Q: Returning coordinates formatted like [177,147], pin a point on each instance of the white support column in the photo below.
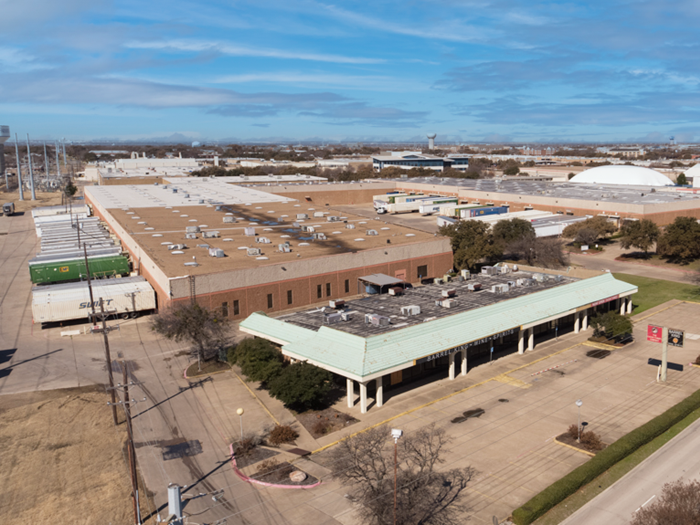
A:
[521,341]
[351,392]
[531,338]
[363,398]
[380,390]
[622,306]
[584,323]
[577,322]
[464,363]
[629,304]
[452,365]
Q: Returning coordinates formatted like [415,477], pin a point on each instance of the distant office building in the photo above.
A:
[408,160]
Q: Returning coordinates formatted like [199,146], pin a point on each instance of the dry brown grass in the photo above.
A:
[62,460]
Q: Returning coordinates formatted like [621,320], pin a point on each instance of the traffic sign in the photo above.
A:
[675,337]
[654,333]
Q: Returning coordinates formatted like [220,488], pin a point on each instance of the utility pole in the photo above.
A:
[58,165]
[108,357]
[131,452]
[63,142]
[46,164]
[31,173]
[19,169]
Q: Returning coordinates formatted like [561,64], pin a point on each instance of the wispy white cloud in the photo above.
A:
[198,46]
[16,59]
[354,82]
[452,30]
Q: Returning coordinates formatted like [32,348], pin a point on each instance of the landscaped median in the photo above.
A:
[623,447]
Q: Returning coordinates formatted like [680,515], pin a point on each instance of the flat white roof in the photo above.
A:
[190,192]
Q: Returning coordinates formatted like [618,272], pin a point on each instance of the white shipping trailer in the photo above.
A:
[70,301]
[46,211]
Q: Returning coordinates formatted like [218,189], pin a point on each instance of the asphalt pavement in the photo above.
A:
[643,485]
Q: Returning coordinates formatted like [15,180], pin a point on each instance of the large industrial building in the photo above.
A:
[243,250]
[384,341]
[661,204]
[409,160]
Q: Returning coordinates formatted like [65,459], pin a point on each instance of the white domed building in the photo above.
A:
[622,175]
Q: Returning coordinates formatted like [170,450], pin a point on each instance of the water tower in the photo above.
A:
[431,140]
[4,135]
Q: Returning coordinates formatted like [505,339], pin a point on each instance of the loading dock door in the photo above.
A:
[396,377]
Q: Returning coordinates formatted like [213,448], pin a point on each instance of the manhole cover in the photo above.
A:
[598,354]
[477,412]
[180,450]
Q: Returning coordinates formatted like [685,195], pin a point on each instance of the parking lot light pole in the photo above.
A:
[396,434]
[578,404]
[240,412]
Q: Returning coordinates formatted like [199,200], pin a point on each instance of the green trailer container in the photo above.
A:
[74,269]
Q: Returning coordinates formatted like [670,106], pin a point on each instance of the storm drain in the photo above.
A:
[477,412]
[180,450]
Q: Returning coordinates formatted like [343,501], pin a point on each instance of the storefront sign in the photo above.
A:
[654,333]
[459,348]
[675,337]
[605,300]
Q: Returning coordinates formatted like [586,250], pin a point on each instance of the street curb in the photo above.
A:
[573,448]
[263,483]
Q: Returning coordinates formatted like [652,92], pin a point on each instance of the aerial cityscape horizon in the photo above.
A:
[498,72]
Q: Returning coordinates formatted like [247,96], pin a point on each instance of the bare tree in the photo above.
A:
[204,329]
[679,504]
[425,496]
[547,252]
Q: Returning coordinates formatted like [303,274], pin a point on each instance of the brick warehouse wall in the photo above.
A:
[305,290]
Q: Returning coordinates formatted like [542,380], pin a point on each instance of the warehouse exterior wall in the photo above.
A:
[245,299]
[332,194]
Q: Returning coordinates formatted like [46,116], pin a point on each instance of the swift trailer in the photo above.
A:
[125,297]
[61,268]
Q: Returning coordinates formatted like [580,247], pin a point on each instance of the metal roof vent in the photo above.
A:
[372,232]
[216,252]
[262,240]
[254,251]
[192,229]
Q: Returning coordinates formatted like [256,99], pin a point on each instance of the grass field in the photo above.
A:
[653,292]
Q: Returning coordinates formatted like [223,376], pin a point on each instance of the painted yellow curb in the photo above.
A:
[600,346]
[503,378]
[573,448]
[429,403]
[255,397]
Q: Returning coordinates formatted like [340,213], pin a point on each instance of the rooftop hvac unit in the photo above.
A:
[319,236]
[538,277]
[333,318]
[448,293]
[558,278]
[505,269]
[177,247]
[520,282]
[229,219]
[437,280]
[210,235]
[372,232]
[332,218]
[376,320]
[190,236]
[318,214]
[336,303]
[447,303]
[174,190]
[262,240]
[192,229]
[254,251]
[511,284]
[203,246]
[346,316]
[489,270]
[500,288]
[310,229]
[218,208]
[465,274]
[302,216]
[249,231]
[413,309]
[350,226]
[473,287]
[216,252]
[284,248]
[396,290]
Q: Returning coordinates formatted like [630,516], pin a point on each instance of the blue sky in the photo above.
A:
[477,70]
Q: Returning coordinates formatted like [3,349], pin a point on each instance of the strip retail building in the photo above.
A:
[387,340]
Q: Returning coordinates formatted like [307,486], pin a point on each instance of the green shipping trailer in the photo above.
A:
[74,269]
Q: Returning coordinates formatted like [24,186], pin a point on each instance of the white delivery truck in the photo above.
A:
[123,297]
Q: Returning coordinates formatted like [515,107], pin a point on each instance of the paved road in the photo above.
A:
[677,459]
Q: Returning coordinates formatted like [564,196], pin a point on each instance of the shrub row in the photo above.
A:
[623,447]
